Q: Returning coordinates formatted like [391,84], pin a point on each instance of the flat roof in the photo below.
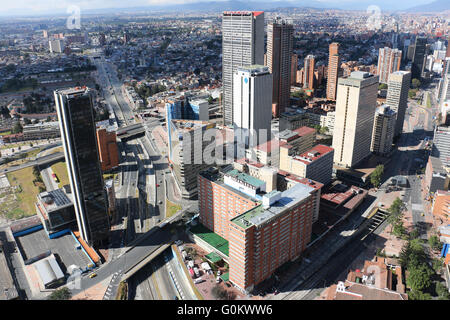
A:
[315,153]
[8,290]
[54,200]
[259,215]
[211,238]
[255,182]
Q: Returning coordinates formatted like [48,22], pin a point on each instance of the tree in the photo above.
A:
[434,243]
[411,94]
[419,278]
[382,86]
[415,83]
[418,295]
[377,174]
[17,128]
[442,291]
[60,294]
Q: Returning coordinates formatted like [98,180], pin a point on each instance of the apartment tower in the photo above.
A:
[389,61]
[383,130]
[308,77]
[334,63]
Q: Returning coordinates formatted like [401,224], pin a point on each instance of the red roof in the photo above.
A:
[302,131]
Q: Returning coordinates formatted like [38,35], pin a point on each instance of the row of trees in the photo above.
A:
[377,174]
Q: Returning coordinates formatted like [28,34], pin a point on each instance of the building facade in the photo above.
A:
[383,130]
[242,45]
[76,120]
[355,109]
[397,97]
[308,77]
[107,149]
[389,60]
[279,55]
[334,64]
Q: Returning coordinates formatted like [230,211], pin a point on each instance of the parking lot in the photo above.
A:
[64,248]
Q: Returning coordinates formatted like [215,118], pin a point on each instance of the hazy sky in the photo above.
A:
[30,7]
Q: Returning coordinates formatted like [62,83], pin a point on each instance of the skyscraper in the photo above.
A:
[242,45]
[383,130]
[418,61]
[294,66]
[389,61]
[355,109]
[308,81]
[78,135]
[252,101]
[334,63]
[397,97]
[279,55]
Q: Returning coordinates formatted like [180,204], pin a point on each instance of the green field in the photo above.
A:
[60,169]
[171,208]
[25,192]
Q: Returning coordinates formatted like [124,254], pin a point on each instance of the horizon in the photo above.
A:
[23,8]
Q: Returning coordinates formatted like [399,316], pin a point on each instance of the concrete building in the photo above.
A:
[308,80]
[269,235]
[184,108]
[291,120]
[267,153]
[389,60]
[397,97]
[383,130]
[188,151]
[441,145]
[436,177]
[46,130]
[55,209]
[315,164]
[279,55]
[107,149]
[334,64]
[355,109]
[76,120]
[293,143]
[252,96]
[242,45]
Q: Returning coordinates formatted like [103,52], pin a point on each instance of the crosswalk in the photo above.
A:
[113,285]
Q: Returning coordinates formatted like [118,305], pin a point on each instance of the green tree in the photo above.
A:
[434,243]
[17,128]
[377,174]
[419,278]
[60,294]
[415,83]
[442,291]
[412,94]
[382,86]
[418,295]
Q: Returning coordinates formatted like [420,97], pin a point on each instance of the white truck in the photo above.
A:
[196,271]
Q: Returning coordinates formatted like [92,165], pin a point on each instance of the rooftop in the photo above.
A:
[54,200]
[260,215]
[315,153]
[240,176]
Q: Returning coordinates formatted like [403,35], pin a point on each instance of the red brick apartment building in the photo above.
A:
[264,230]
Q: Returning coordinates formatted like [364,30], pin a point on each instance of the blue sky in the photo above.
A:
[30,7]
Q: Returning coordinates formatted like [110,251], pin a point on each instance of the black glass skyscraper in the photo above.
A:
[418,63]
[76,121]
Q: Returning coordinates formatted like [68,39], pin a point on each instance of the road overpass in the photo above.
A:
[45,160]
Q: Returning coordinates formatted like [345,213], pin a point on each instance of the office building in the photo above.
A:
[308,77]
[397,97]
[188,151]
[252,104]
[334,64]
[46,130]
[355,109]
[107,149]
[76,119]
[389,60]
[441,145]
[291,120]
[383,130]
[242,45]
[279,55]
[419,57]
[294,142]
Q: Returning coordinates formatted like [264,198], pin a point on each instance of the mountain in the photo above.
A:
[435,6]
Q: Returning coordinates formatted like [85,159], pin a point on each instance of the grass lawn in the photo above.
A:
[5,133]
[60,169]
[428,101]
[26,195]
[29,154]
[172,208]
